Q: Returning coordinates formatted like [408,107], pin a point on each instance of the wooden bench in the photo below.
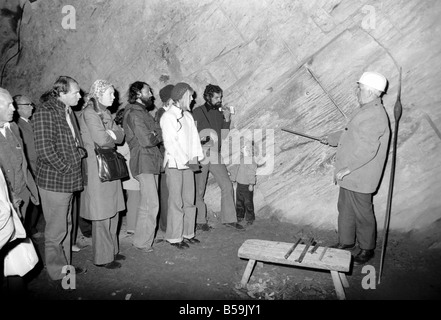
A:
[336,260]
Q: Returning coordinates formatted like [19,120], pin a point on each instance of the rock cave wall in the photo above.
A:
[262,53]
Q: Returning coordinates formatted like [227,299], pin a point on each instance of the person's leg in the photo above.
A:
[249,205]
[84,224]
[114,233]
[147,211]
[228,210]
[201,184]
[56,210]
[32,217]
[175,218]
[364,220]
[85,227]
[75,215]
[188,194]
[163,196]
[132,209]
[102,242]
[346,218]
[240,201]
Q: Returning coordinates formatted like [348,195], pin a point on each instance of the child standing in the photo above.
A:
[244,174]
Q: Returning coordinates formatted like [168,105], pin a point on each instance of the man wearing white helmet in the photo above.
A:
[361,155]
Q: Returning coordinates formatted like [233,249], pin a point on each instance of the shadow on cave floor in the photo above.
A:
[212,270]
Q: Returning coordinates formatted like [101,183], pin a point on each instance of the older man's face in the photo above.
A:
[6,108]
[25,107]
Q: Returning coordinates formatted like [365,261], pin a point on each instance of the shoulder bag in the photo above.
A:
[111,164]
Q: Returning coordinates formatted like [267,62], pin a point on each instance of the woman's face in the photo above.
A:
[107,98]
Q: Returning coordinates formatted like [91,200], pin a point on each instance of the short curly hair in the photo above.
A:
[210,90]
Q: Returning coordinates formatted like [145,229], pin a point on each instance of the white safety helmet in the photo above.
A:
[374,80]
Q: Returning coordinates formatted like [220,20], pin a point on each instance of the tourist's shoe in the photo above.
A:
[192,240]
[250,222]
[79,270]
[111,265]
[180,245]
[76,248]
[234,225]
[363,256]
[145,250]
[83,241]
[203,226]
[119,257]
[343,246]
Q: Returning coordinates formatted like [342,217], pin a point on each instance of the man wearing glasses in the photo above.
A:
[25,108]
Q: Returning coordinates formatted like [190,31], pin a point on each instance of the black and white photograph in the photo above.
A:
[229,157]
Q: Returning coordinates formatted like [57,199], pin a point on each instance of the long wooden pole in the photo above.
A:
[301,134]
[398,109]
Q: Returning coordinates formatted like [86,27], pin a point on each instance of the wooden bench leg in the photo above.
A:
[338,285]
[247,273]
[343,279]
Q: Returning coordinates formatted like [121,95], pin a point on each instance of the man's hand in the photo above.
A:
[324,139]
[227,113]
[342,173]
[251,188]
[194,161]
[194,165]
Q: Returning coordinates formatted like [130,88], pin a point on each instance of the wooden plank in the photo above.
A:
[338,286]
[343,279]
[247,273]
[273,251]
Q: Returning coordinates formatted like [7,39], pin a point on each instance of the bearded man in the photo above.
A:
[143,135]
[214,119]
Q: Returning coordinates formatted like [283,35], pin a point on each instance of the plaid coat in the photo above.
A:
[58,158]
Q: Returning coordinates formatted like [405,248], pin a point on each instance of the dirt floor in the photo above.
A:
[212,270]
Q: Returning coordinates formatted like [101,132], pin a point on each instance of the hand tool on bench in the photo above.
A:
[323,253]
[305,250]
[315,247]
[292,248]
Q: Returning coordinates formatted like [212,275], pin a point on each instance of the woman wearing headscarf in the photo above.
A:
[102,200]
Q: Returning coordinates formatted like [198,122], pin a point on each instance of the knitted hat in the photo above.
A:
[98,88]
[165,93]
[179,90]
